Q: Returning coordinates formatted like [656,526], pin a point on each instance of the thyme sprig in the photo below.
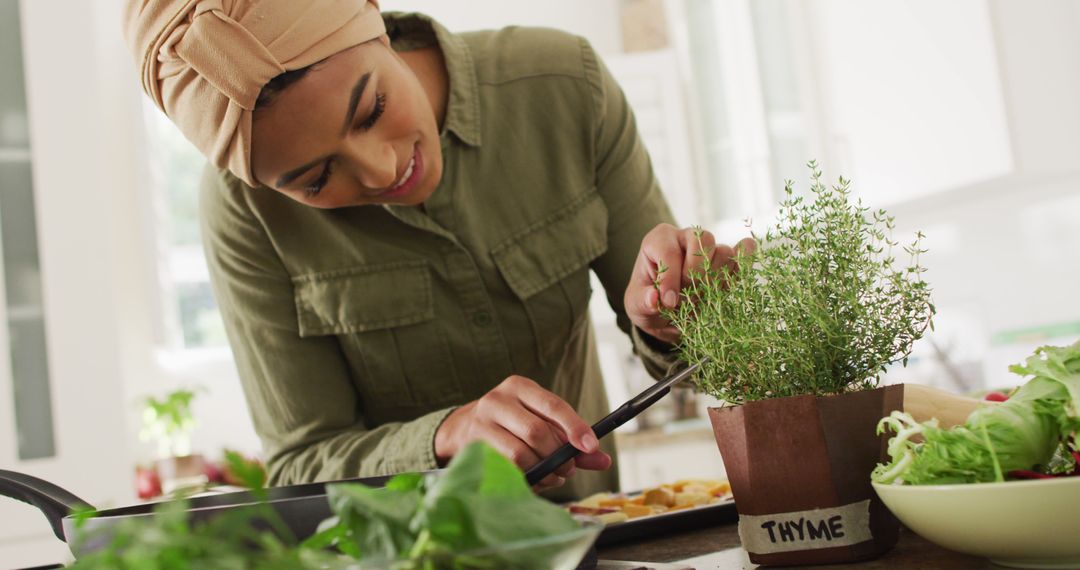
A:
[820,307]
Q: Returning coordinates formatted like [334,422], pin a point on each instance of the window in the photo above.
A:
[191,314]
[905,100]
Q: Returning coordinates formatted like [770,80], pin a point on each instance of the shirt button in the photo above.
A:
[482,318]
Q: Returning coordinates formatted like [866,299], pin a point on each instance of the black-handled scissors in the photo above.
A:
[613,420]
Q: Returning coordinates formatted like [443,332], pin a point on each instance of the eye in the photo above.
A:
[315,187]
[380,105]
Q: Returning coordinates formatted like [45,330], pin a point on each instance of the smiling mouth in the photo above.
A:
[408,174]
[408,179]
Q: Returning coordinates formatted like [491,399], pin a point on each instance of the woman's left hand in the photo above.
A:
[677,249]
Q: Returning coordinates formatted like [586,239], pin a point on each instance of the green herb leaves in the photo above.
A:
[820,308]
[482,501]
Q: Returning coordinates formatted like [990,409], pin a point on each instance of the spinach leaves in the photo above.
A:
[478,513]
[479,505]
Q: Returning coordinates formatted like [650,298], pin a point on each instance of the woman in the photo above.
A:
[400,225]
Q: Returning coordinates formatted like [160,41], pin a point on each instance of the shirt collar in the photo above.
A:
[411,31]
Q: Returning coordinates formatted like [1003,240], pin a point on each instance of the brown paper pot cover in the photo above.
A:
[808,453]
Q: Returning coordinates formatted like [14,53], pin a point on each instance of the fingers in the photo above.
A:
[534,431]
[510,446]
[747,245]
[698,251]
[540,436]
[664,247]
[650,300]
[526,423]
[598,461]
[669,261]
[683,252]
[558,412]
[725,256]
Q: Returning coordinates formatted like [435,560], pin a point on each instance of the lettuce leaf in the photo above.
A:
[1023,433]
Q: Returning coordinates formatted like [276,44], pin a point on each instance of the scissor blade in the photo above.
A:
[668,382]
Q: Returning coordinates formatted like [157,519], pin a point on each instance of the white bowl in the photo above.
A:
[1020,524]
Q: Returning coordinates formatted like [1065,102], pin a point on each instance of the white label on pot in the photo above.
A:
[806,530]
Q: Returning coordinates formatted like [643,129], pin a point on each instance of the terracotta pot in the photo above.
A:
[180,472]
[800,468]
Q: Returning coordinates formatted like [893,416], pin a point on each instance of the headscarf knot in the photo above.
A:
[204,62]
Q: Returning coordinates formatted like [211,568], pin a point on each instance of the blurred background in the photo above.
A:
[961,118]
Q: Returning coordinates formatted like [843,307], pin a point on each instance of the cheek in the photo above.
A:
[412,115]
[416,110]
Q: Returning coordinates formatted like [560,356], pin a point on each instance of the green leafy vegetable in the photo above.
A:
[252,537]
[172,541]
[1029,431]
[415,522]
[481,501]
[821,307]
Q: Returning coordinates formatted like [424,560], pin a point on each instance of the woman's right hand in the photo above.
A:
[524,422]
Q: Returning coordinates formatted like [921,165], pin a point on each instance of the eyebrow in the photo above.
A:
[296,172]
[354,98]
[350,114]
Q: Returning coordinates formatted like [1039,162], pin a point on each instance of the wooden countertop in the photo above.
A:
[719,548]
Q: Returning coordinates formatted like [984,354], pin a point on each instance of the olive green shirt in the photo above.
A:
[357,330]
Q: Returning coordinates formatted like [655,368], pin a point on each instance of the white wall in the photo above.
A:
[1008,256]
[1004,256]
[1039,50]
[913,95]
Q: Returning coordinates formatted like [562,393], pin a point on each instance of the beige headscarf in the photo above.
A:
[203,62]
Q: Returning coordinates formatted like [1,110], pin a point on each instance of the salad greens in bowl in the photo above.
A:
[1006,483]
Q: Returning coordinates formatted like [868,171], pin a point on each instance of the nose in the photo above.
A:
[373,163]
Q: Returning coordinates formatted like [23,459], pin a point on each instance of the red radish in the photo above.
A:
[996,397]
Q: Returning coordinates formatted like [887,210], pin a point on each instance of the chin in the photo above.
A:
[419,196]
[428,187]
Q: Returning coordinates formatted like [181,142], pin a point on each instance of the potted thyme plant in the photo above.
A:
[170,421]
[797,334]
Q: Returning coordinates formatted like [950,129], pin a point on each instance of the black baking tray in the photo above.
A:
[664,523]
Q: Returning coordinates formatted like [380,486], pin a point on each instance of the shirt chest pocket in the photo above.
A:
[547,267]
[383,316]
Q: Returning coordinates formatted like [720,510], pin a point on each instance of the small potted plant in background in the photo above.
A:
[797,334]
[169,422]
